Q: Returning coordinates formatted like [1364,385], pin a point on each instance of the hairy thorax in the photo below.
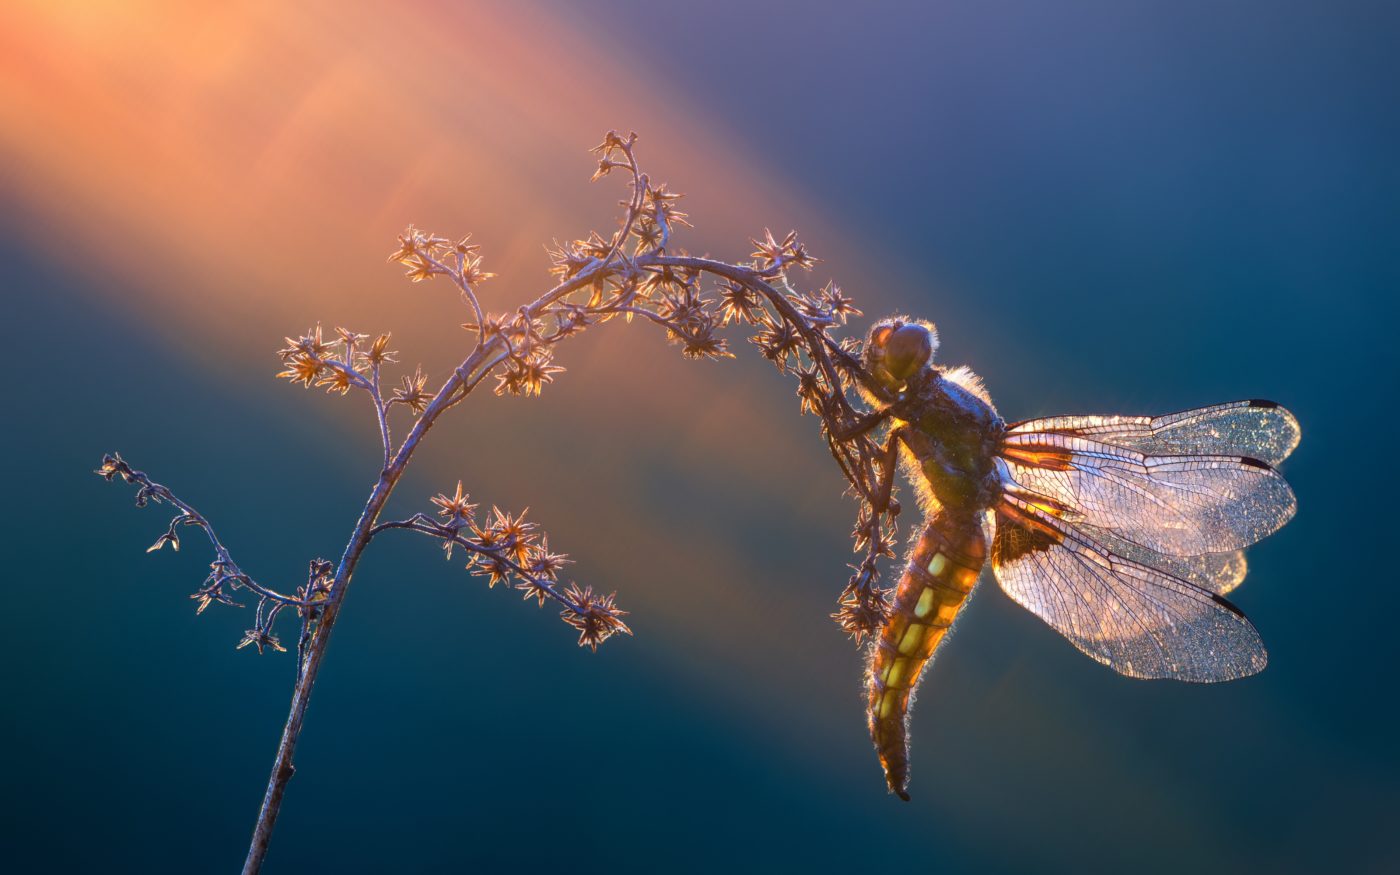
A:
[950,435]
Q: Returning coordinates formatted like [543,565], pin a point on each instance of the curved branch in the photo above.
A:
[114,466]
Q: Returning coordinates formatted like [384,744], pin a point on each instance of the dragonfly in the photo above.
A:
[1123,533]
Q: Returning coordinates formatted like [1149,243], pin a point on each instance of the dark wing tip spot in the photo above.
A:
[1228,605]
[1263,402]
[1246,460]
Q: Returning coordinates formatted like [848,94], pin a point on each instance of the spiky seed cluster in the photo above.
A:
[509,549]
[427,255]
[594,615]
[691,320]
[863,606]
[529,360]
[347,360]
[261,638]
[772,254]
[412,391]
[457,509]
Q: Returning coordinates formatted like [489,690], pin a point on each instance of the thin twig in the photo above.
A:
[148,490]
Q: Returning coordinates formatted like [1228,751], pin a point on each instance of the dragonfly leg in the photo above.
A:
[862,425]
[889,460]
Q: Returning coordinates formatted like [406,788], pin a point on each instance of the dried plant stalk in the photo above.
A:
[636,272]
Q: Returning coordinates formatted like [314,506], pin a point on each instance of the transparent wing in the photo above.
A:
[1139,621]
[1258,429]
[1172,505]
[1216,572]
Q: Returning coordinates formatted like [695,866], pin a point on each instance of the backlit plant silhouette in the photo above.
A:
[636,272]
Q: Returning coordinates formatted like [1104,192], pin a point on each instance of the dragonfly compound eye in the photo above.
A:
[908,350]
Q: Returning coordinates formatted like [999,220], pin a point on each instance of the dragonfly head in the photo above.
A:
[898,349]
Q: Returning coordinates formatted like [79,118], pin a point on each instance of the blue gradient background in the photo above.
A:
[1107,207]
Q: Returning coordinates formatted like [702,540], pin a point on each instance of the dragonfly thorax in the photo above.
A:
[951,435]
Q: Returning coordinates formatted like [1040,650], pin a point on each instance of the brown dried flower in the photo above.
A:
[421,268]
[528,375]
[337,379]
[596,617]
[311,344]
[512,535]
[545,564]
[379,353]
[260,638]
[456,510]
[778,343]
[413,391]
[304,369]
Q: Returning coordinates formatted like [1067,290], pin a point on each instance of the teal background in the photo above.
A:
[1129,208]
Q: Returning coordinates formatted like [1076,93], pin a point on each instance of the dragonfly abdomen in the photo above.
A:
[942,570]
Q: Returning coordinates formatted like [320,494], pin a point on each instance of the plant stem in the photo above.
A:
[282,768]
[484,357]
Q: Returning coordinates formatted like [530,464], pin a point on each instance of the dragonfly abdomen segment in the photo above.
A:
[942,570]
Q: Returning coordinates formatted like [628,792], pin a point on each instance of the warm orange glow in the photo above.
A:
[236,172]
[254,161]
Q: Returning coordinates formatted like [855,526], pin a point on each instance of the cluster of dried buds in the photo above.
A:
[339,363]
[350,360]
[510,550]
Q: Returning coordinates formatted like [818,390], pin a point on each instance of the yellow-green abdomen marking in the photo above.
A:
[941,572]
